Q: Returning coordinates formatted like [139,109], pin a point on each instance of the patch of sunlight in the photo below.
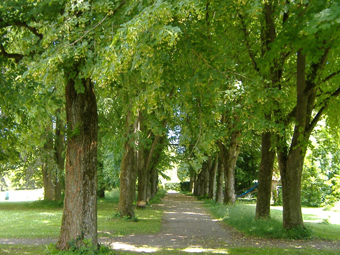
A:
[200,250]
[48,214]
[172,192]
[192,213]
[46,221]
[319,213]
[129,247]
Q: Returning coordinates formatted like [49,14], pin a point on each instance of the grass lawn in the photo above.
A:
[42,250]
[41,220]
[241,217]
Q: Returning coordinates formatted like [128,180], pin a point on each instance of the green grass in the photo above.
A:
[28,220]
[22,249]
[42,250]
[43,219]
[242,217]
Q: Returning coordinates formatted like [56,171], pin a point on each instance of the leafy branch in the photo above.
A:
[4,53]
[111,13]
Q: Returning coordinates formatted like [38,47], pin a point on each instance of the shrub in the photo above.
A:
[172,186]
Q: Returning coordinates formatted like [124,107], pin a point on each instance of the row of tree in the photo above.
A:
[215,73]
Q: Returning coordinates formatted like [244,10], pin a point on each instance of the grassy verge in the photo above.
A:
[240,251]
[43,250]
[242,217]
[43,219]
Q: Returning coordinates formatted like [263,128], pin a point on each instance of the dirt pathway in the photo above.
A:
[188,225]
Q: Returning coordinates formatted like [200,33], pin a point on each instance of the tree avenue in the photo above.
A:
[118,77]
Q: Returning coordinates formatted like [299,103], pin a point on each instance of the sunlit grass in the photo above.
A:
[242,217]
[22,220]
[22,249]
[231,251]
[43,220]
[42,249]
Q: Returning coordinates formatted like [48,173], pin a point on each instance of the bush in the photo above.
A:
[172,186]
[185,186]
[86,249]
[313,188]
[277,196]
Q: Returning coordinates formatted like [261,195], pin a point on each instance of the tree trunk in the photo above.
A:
[153,182]
[60,159]
[192,180]
[142,174]
[229,158]
[212,179]
[79,221]
[205,177]
[291,172]
[219,180]
[48,169]
[291,161]
[265,177]
[142,170]
[127,174]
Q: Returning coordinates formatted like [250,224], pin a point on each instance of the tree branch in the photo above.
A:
[251,55]
[317,117]
[99,23]
[330,76]
[16,57]
[32,29]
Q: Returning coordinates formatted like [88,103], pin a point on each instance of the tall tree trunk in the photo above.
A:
[229,158]
[60,159]
[219,180]
[212,179]
[291,172]
[142,174]
[79,221]
[48,169]
[127,174]
[265,177]
[206,175]
[192,180]
[153,182]
[291,161]
[142,171]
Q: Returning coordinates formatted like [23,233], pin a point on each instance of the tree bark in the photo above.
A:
[265,177]
[205,177]
[212,179]
[127,174]
[219,180]
[53,165]
[291,162]
[79,220]
[153,182]
[192,180]
[229,158]
[60,159]
[48,169]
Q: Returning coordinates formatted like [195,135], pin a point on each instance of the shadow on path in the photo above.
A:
[187,225]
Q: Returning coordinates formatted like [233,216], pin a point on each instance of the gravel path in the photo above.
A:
[188,225]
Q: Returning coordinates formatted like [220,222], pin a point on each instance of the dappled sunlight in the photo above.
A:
[192,213]
[48,214]
[129,247]
[152,249]
[316,215]
[200,250]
